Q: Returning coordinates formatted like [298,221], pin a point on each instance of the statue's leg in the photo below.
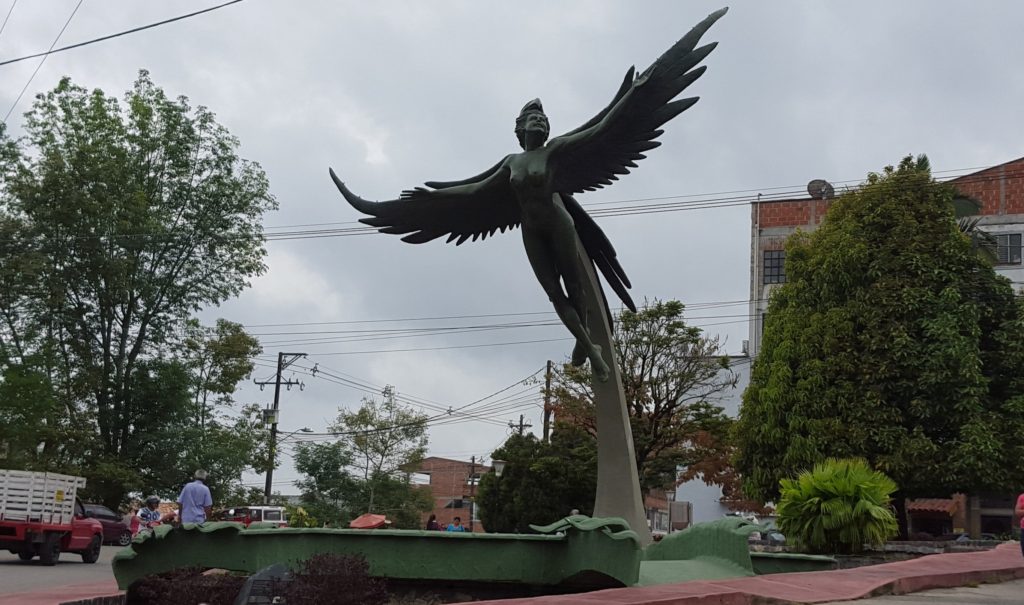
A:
[543,259]
[568,265]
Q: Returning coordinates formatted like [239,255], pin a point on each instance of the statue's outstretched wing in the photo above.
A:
[608,145]
[472,208]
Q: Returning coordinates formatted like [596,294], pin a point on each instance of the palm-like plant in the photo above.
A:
[982,242]
[966,210]
[837,507]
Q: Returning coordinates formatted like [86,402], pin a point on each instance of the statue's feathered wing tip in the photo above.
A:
[357,202]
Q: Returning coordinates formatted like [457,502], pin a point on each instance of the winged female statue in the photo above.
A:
[534,189]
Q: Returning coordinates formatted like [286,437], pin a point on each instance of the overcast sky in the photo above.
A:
[395,93]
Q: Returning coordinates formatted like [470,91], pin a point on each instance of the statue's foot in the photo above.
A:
[597,365]
[579,354]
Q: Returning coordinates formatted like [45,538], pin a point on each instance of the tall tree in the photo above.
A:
[892,340]
[673,375]
[130,217]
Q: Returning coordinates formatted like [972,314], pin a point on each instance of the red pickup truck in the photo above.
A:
[40,515]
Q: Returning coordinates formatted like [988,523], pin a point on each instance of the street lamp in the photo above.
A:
[498,466]
[304,429]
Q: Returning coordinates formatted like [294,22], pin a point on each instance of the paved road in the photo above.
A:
[18,576]
[985,594]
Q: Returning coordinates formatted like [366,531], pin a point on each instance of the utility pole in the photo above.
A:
[472,490]
[547,404]
[283,361]
[521,426]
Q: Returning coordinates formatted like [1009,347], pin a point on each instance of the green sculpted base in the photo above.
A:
[574,554]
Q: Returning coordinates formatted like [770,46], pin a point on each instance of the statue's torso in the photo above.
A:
[531,175]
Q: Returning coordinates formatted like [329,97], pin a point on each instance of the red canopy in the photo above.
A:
[368,521]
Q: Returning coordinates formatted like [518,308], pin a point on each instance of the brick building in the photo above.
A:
[999,191]
[452,483]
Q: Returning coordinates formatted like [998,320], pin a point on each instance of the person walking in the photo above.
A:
[195,501]
[456,525]
[1019,511]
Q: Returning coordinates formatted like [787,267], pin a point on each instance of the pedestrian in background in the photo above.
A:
[1019,511]
[195,500]
[456,525]
[432,523]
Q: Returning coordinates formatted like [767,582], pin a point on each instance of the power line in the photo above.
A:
[445,417]
[9,11]
[474,346]
[690,305]
[51,51]
[712,199]
[43,60]
[624,210]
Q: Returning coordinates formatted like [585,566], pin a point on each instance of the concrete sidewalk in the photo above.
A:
[933,571]
[61,594]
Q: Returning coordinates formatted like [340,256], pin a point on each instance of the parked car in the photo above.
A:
[115,530]
[256,514]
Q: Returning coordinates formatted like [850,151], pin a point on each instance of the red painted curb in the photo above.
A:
[923,573]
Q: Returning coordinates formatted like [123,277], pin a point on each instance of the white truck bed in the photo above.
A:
[28,496]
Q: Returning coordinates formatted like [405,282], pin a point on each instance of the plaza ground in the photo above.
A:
[69,576]
[961,578]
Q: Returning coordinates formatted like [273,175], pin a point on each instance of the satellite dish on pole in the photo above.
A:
[820,189]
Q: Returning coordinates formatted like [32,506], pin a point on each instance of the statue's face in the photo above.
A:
[536,122]
[532,122]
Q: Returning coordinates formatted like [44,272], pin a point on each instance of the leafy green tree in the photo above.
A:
[218,357]
[837,507]
[541,482]
[672,375]
[366,469]
[117,222]
[33,424]
[892,340]
[385,438]
[327,484]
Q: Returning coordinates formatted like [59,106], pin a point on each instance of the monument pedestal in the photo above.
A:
[618,484]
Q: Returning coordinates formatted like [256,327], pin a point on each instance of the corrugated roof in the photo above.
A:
[932,505]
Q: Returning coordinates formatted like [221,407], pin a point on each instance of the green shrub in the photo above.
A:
[837,507]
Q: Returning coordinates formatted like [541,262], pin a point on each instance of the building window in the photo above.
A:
[1008,248]
[774,270]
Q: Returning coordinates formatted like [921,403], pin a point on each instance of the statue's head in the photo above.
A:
[531,118]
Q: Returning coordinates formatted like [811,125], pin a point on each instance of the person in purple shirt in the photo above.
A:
[195,500]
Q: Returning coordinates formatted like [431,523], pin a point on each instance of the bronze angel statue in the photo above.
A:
[534,189]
